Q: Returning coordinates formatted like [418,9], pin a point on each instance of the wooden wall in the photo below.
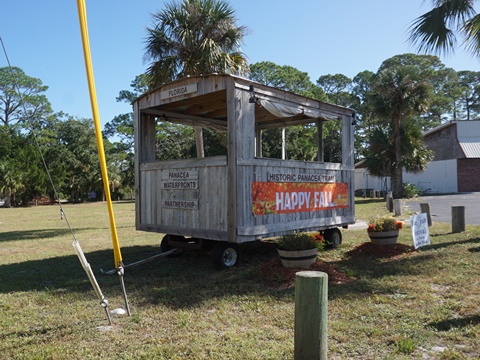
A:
[191,202]
[200,210]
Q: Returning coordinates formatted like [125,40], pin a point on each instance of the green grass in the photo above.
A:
[421,305]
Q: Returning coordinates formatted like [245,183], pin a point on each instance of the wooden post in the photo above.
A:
[397,205]
[199,142]
[320,140]
[232,124]
[425,209]
[372,194]
[458,219]
[258,143]
[311,315]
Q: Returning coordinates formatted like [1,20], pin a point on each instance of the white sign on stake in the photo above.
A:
[419,224]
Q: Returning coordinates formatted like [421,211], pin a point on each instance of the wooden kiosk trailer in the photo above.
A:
[220,202]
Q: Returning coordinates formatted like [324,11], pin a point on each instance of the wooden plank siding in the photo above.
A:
[210,215]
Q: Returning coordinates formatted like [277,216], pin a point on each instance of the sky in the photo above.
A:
[319,37]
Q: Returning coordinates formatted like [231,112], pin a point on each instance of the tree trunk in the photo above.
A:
[8,202]
[199,142]
[397,176]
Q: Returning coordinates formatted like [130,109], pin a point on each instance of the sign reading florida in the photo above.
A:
[278,198]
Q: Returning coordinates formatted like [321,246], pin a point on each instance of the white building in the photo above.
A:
[454,168]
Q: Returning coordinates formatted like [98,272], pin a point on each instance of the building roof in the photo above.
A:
[468,136]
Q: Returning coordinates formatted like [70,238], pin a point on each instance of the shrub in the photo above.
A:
[410,190]
[300,241]
[384,223]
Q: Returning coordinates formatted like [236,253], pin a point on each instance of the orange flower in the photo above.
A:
[384,223]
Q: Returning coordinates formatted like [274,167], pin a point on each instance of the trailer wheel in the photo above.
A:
[333,238]
[165,243]
[225,255]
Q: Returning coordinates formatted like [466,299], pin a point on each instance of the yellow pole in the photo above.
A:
[82,15]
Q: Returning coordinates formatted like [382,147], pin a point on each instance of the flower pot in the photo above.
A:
[298,258]
[384,237]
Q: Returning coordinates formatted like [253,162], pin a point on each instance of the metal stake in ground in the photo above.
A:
[120,272]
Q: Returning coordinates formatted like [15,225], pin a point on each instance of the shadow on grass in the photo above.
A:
[189,280]
[37,234]
[367,270]
[369,201]
[63,272]
[474,249]
[179,282]
[32,332]
[456,323]
[450,243]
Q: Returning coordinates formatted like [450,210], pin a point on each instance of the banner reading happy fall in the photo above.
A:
[287,197]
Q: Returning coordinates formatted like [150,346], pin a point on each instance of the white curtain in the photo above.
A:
[281,110]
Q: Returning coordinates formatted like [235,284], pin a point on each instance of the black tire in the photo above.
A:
[225,255]
[165,243]
[333,238]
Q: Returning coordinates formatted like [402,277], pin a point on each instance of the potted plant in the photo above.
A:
[384,230]
[299,249]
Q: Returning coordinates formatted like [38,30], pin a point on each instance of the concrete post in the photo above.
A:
[311,315]
[397,205]
[389,202]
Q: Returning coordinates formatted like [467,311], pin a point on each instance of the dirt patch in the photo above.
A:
[279,277]
[369,249]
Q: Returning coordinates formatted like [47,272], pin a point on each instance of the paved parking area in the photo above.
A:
[441,206]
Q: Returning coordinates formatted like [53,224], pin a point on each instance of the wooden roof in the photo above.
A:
[202,101]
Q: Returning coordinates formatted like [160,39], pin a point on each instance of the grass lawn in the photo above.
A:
[423,304]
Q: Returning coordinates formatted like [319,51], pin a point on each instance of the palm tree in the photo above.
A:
[194,37]
[380,155]
[11,181]
[437,30]
[397,95]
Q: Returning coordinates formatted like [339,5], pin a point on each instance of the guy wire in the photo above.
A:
[76,244]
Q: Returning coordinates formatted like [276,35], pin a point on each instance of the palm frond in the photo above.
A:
[471,30]
[434,31]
